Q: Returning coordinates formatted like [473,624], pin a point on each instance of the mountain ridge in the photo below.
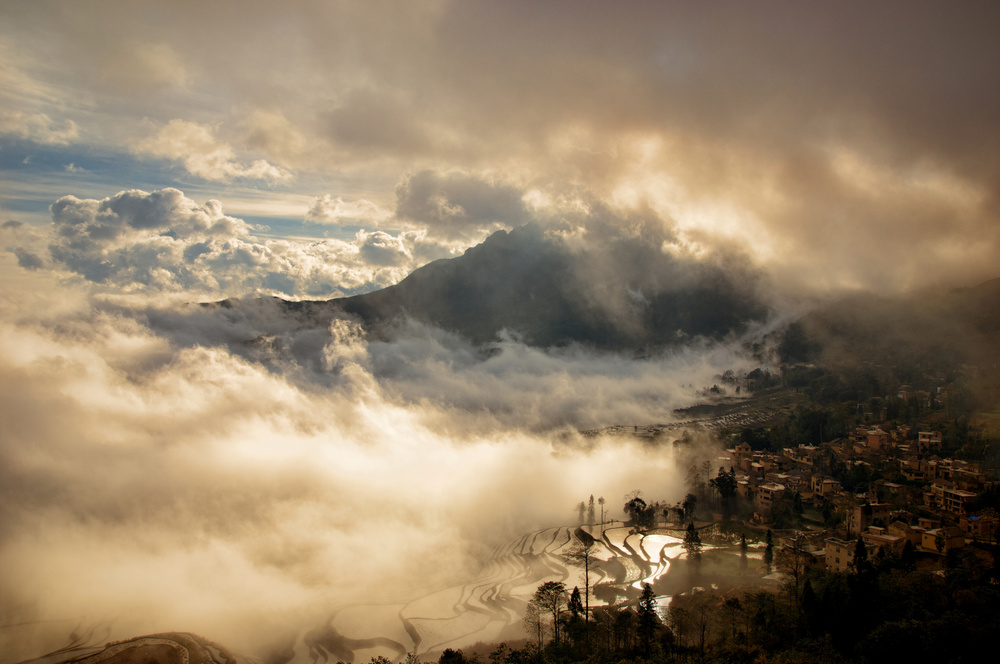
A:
[627,296]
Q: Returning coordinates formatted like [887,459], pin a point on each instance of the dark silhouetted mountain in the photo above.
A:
[624,294]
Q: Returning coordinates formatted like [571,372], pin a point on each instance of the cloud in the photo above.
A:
[165,242]
[765,129]
[155,476]
[337,211]
[458,205]
[38,127]
[205,155]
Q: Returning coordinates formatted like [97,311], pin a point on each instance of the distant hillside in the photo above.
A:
[924,339]
[626,295]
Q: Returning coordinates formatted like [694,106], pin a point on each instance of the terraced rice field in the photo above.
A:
[489,607]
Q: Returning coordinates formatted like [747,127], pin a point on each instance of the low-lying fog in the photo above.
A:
[154,478]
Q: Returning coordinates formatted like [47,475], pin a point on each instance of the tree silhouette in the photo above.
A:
[533,620]
[692,544]
[582,554]
[725,484]
[551,598]
[639,513]
[575,603]
[769,550]
[648,619]
[689,505]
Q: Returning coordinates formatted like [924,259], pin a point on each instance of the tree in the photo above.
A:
[575,603]
[639,513]
[582,507]
[689,505]
[860,563]
[743,554]
[733,607]
[450,656]
[533,621]
[582,554]
[769,550]
[601,501]
[623,628]
[648,618]
[550,598]
[725,484]
[792,560]
[908,559]
[692,544]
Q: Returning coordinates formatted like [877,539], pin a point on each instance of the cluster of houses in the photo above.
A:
[882,512]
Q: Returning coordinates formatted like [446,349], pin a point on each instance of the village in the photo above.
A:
[928,505]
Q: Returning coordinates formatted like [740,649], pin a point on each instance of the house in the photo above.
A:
[943,495]
[981,528]
[928,440]
[839,554]
[942,540]
[766,495]
[802,455]
[741,454]
[877,439]
[879,538]
[906,532]
[862,516]
[824,487]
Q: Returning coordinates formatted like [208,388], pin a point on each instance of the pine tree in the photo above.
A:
[648,619]
[575,603]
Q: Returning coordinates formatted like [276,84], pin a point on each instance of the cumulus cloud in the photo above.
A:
[165,242]
[203,154]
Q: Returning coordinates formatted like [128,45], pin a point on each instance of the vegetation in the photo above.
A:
[885,609]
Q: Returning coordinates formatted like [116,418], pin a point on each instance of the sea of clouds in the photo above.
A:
[166,465]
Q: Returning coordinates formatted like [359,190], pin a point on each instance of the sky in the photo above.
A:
[839,145]
[167,466]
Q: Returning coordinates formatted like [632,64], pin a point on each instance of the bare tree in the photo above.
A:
[793,560]
[533,621]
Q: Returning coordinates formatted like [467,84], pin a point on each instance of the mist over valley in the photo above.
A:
[338,332]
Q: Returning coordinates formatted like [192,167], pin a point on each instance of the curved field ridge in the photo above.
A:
[169,648]
[490,607]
